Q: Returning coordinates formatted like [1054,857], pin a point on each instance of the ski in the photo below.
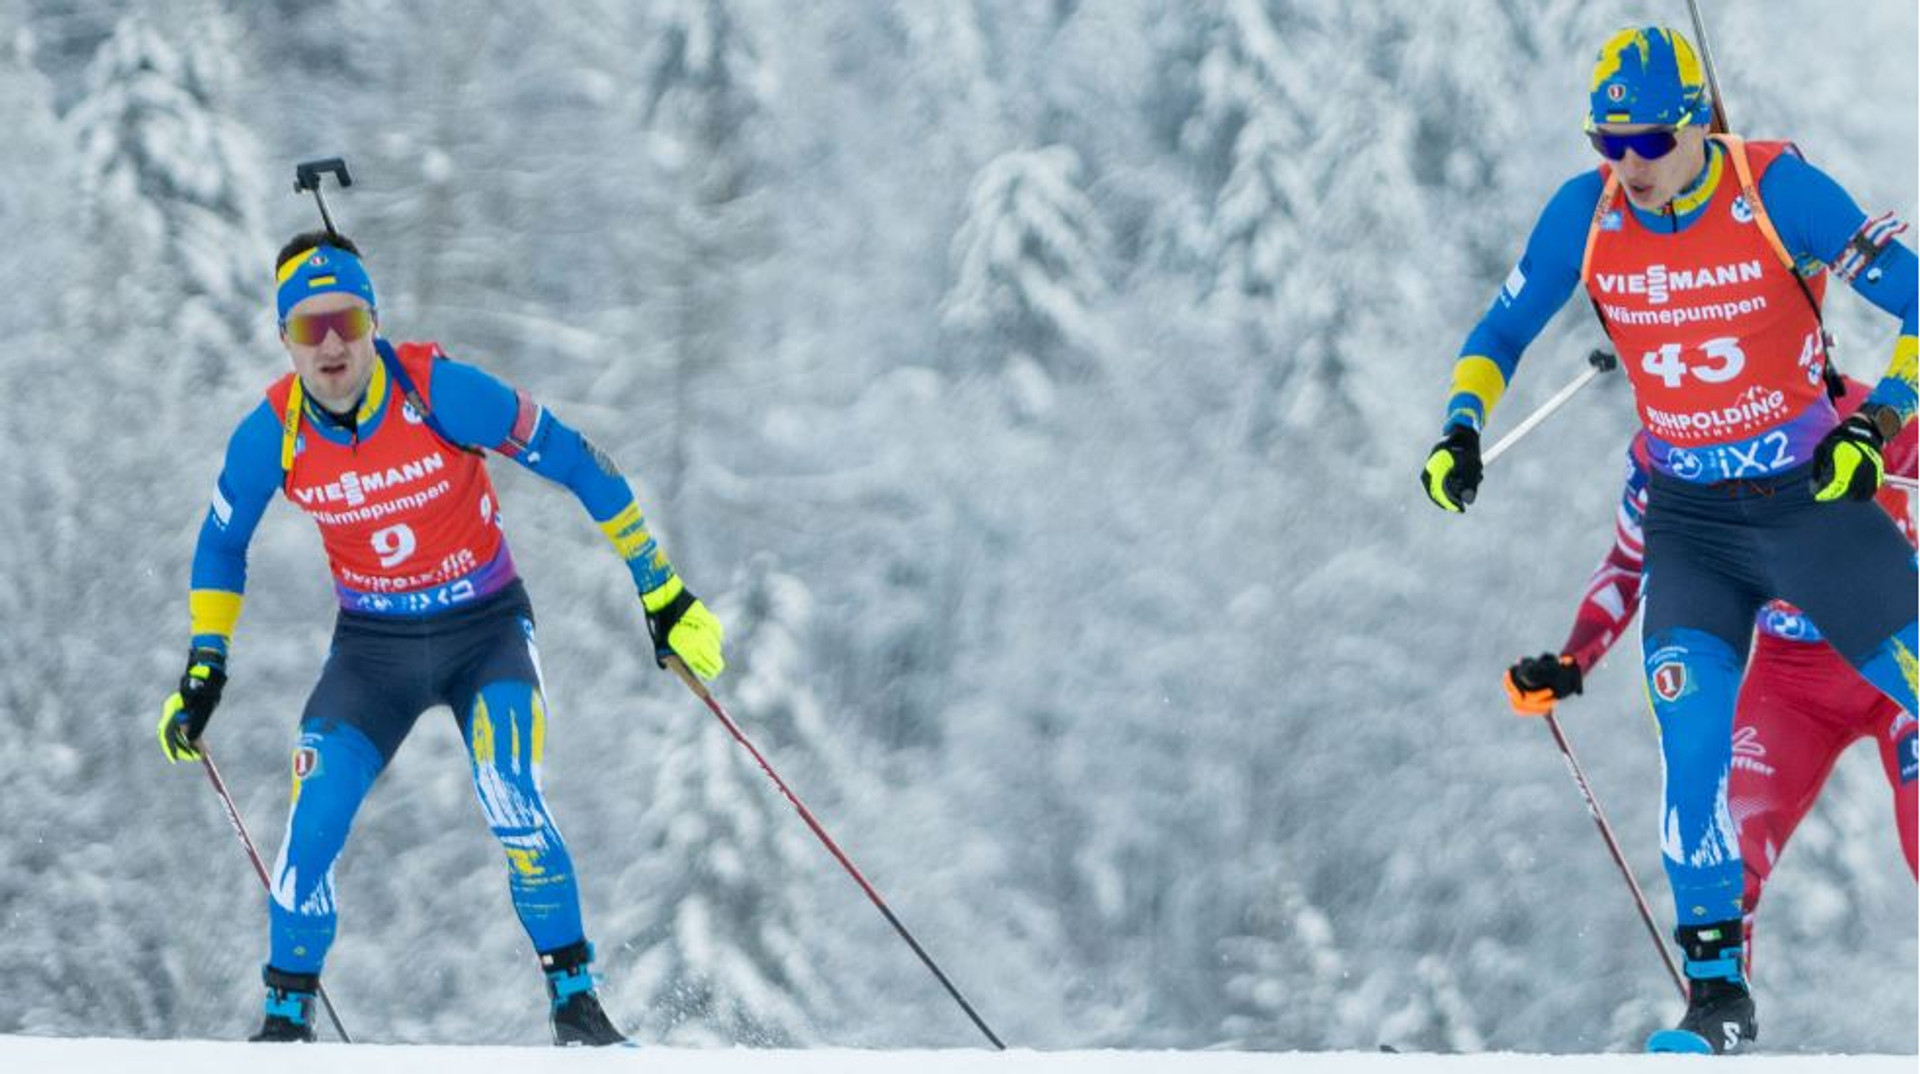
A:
[1679,1041]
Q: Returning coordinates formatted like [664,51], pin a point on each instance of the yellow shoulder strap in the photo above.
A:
[290,430]
[1607,194]
[1736,147]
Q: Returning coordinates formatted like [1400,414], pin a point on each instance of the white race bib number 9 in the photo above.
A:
[395,543]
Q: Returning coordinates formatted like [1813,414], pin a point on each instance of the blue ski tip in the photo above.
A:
[1679,1040]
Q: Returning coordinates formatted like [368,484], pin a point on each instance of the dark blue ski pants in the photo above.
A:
[380,676]
[1714,555]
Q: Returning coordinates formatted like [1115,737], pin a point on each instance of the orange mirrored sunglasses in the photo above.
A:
[310,329]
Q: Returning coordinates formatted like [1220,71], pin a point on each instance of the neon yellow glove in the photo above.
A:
[1848,463]
[682,626]
[1451,477]
[186,711]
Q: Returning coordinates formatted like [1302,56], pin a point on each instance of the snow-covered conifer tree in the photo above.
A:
[172,181]
[1027,267]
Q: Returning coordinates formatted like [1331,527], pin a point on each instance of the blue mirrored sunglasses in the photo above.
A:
[1649,144]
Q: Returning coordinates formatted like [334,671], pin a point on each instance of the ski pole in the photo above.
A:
[700,691]
[1597,363]
[1619,859]
[259,866]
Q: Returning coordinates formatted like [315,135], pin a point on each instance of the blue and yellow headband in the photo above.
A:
[318,271]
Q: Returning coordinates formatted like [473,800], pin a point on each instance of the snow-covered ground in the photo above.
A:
[68,1056]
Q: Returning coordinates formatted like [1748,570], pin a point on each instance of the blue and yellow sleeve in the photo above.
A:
[1535,290]
[479,409]
[248,478]
[1821,225]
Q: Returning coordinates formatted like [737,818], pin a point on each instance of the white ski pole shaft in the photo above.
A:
[1597,363]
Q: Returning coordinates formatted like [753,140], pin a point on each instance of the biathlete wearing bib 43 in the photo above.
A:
[1707,275]
[1726,360]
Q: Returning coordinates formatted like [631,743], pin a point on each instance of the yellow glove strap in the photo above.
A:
[655,599]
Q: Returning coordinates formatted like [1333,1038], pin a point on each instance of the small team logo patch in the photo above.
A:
[1612,221]
[411,415]
[1742,212]
[306,762]
[1909,754]
[318,259]
[1616,92]
[1670,681]
[1788,623]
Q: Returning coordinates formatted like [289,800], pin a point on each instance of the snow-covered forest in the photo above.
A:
[1035,390]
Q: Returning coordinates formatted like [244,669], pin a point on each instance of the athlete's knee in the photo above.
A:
[331,769]
[506,742]
[1693,679]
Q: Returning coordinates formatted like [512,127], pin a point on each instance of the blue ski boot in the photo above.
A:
[1719,1018]
[289,1007]
[577,1015]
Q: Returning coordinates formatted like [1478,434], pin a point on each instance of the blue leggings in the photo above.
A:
[379,677]
[1715,554]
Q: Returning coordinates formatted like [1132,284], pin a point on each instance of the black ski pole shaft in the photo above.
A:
[259,865]
[700,690]
[1706,60]
[1597,363]
[1619,859]
[325,216]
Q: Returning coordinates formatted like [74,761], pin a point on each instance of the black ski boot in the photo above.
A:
[1720,1017]
[289,1007]
[577,1016]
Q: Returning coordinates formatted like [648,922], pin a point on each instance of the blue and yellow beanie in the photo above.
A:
[319,270]
[1649,75]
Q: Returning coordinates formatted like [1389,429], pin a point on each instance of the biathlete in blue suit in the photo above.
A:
[1706,258]
[381,444]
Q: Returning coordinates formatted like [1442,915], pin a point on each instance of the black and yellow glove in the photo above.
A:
[186,712]
[682,626]
[1452,474]
[1848,462]
[1534,683]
